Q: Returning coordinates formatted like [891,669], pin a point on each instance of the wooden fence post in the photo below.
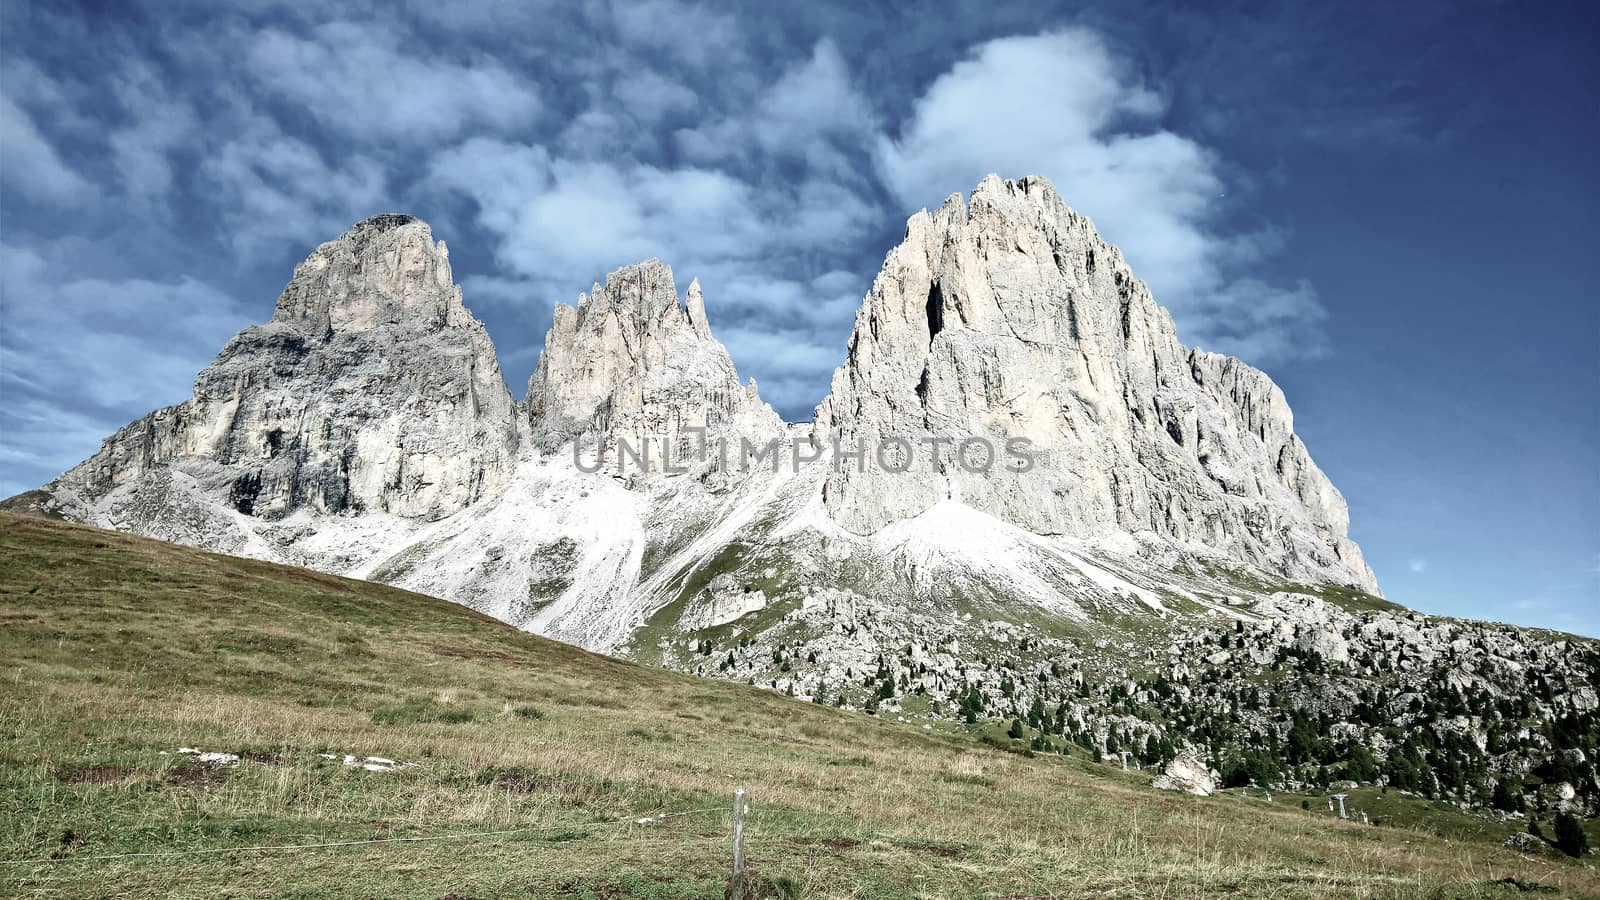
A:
[737,886]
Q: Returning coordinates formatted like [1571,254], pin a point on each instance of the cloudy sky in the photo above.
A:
[1393,212]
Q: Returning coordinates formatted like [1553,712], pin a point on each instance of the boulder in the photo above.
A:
[1188,774]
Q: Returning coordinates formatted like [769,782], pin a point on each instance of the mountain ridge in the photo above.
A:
[370,409]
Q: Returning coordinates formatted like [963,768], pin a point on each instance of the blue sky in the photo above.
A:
[1392,211]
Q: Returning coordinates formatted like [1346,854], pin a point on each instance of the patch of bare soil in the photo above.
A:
[197,775]
[92,774]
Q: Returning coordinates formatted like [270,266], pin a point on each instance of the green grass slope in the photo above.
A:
[116,651]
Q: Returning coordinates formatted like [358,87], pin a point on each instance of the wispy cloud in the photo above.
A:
[1065,105]
[365,82]
[33,164]
[273,189]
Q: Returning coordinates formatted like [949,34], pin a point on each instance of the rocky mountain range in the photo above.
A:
[1023,498]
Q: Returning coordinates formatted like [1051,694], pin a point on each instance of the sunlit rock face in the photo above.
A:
[1006,316]
[632,361]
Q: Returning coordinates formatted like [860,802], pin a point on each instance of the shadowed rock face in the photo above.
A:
[1009,316]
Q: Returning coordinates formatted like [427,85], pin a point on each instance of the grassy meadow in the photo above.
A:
[116,651]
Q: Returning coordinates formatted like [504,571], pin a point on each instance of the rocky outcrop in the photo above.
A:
[566,548]
[1007,317]
[372,389]
[632,361]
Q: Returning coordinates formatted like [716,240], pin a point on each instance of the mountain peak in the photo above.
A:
[372,388]
[1008,316]
[641,295]
[385,270]
[384,222]
[632,356]
[695,302]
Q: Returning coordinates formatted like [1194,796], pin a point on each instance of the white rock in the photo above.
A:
[1188,774]
[1009,317]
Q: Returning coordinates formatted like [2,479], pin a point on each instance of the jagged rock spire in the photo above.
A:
[696,303]
[631,359]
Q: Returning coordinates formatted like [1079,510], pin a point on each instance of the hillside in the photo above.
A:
[120,650]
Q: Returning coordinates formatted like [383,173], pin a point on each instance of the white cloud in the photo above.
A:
[814,100]
[81,357]
[159,125]
[30,163]
[693,34]
[1021,102]
[572,221]
[1256,321]
[1417,565]
[1062,105]
[273,190]
[568,221]
[358,79]
[650,96]
[812,114]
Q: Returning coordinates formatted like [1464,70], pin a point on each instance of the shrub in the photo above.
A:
[1570,838]
[1504,798]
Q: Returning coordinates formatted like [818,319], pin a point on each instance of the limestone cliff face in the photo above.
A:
[1008,316]
[632,361]
[372,389]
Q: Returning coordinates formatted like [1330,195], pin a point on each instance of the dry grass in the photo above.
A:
[116,649]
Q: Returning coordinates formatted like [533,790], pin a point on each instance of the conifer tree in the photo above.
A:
[1570,838]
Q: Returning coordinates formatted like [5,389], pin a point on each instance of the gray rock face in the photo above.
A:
[1009,317]
[631,361]
[568,547]
[372,389]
